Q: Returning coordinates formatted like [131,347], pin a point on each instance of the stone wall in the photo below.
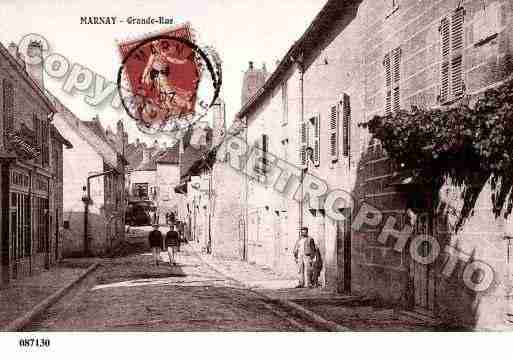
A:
[227,225]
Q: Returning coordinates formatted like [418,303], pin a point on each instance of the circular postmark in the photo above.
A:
[167,82]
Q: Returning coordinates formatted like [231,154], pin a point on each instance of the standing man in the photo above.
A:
[304,252]
[172,244]
[155,239]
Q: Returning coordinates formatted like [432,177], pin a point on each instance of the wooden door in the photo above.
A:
[344,253]
[422,274]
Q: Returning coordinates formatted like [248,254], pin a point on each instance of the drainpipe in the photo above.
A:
[300,65]
[87,201]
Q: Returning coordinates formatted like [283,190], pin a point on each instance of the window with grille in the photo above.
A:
[452,44]
[8,101]
[392,65]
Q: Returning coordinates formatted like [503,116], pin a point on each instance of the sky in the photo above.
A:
[240,31]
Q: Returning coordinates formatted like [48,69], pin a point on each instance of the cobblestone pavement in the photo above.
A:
[352,312]
[129,293]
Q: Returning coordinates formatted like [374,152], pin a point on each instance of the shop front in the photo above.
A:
[25,242]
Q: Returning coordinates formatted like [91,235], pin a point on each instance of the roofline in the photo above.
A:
[27,77]
[61,138]
[286,62]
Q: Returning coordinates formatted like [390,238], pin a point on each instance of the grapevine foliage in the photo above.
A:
[468,144]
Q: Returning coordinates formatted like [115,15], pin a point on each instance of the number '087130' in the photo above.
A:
[34,342]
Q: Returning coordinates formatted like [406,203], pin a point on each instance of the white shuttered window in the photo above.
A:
[334,119]
[392,66]
[452,44]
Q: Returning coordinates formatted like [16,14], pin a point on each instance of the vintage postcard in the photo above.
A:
[255,166]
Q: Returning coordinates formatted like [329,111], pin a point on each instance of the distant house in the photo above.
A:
[94,227]
[167,178]
[153,175]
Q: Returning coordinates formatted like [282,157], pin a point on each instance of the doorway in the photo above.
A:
[344,252]
[422,274]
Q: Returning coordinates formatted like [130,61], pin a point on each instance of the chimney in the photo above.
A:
[137,142]
[251,65]
[156,144]
[13,50]
[35,49]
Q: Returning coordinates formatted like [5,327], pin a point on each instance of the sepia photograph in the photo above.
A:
[172,169]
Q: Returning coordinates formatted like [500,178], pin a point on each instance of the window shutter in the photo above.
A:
[388,102]
[36,127]
[445,51]
[317,140]
[457,30]
[388,73]
[8,100]
[388,84]
[265,144]
[334,115]
[457,76]
[396,55]
[452,44]
[457,52]
[396,99]
[302,145]
[346,126]
[285,107]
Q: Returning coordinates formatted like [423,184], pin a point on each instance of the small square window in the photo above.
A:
[65,224]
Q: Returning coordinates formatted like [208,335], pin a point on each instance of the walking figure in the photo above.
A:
[304,253]
[155,239]
[172,244]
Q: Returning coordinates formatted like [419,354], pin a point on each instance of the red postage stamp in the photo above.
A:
[163,73]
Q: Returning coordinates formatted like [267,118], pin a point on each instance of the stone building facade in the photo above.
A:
[358,59]
[31,171]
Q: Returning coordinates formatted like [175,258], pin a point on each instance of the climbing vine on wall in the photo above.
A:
[468,144]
